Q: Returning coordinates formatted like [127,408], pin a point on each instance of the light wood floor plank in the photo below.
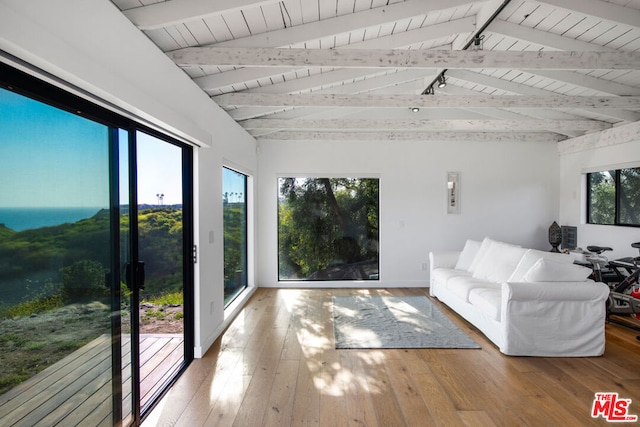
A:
[254,405]
[226,407]
[276,365]
[360,407]
[440,407]
[280,407]
[385,402]
[411,401]
[306,404]
[476,419]
[227,367]
[333,383]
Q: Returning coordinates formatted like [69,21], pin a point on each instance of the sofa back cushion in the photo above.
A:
[548,270]
[467,255]
[480,254]
[499,262]
[531,257]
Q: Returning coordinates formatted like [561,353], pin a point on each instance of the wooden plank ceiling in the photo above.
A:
[547,70]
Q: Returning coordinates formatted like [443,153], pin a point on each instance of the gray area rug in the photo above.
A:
[394,322]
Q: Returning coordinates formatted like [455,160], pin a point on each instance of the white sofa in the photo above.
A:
[527,302]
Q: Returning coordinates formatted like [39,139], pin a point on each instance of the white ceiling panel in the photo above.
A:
[353,27]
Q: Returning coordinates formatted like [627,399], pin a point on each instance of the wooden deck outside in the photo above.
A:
[77,389]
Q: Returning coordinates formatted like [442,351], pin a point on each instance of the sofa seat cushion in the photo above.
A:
[487,300]
[460,286]
[442,275]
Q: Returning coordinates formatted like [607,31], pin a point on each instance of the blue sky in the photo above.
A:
[51,158]
[159,171]
[233,182]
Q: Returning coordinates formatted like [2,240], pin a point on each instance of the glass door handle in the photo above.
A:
[135,272]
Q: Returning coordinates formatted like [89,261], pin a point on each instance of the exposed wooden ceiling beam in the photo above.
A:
[375,85]
[393,41]
[588,82]
[616,135]
[345,80]
[426,101]
[413,136]
[432,125]
[521,89]
[496,83]
[244,113]
[394,58]
[518,114]
[239,76]
[620,114]
[555,41]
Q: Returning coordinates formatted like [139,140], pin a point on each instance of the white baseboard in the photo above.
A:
[351,284]
[229,314]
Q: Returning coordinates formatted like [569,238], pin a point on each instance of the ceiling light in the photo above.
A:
[428,91]
[442,82]
[477,42]
[415,109]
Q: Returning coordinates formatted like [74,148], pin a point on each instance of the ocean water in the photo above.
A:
[20,219]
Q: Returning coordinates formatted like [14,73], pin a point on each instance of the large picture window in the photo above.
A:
[614,197]
[328,228]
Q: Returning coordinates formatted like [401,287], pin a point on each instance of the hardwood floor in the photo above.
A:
[276,366]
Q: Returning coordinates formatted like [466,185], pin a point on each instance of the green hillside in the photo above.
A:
[32,260]
[5,232]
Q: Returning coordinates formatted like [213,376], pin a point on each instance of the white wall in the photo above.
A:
[573,197]
[91,45]
[509,191]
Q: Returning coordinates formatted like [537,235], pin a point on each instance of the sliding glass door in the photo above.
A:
[96,267]
[161,245]
[154,205]
[155,252]
[57,272]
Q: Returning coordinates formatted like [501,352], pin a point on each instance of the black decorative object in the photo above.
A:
[555,236]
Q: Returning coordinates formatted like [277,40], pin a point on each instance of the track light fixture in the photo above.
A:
[477,42]
[442,82]
[428,91]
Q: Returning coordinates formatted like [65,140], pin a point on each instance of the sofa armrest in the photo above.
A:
[554,318]
[443,259]
[555,291]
